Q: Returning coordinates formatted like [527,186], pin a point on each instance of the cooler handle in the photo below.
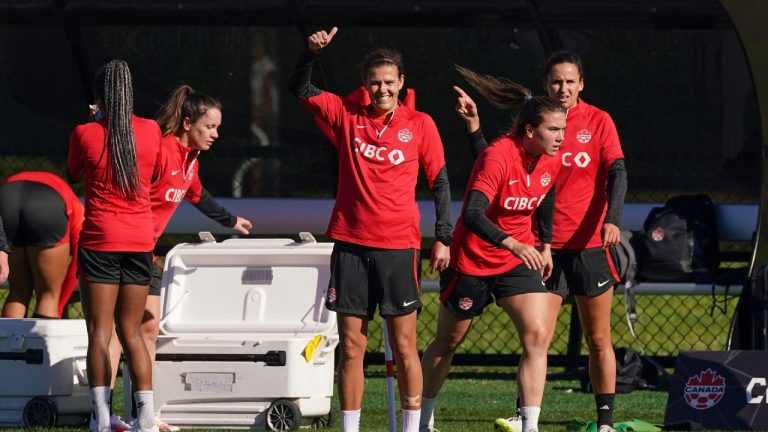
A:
[330,346]
[30,356]
[271,358]
[80,372]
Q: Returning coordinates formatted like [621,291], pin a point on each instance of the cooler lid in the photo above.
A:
[254,286]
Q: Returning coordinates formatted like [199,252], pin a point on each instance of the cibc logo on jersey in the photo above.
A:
[522,203]
[370,151]
[175,195]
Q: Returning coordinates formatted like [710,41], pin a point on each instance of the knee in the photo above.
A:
[598,341]
[445,346]
[150,329]
[352,347]
[536,340]
[406,349]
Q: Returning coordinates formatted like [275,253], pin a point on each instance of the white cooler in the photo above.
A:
[247,341]
[43,379]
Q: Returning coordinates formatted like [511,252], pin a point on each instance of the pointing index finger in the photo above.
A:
[461,92]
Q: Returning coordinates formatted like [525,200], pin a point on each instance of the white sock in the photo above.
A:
[350,421]
[427,420]
[530,416]
[145,408]
[411,420]
[100,401]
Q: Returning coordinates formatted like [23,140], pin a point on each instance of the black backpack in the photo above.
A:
[679,241]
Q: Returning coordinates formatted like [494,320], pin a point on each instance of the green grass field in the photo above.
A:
[473,397]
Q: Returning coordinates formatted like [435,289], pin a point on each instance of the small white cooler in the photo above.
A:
[43,379]
[247,341]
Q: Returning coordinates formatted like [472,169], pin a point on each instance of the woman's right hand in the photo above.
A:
[467,110]
[318,40]
[528,254]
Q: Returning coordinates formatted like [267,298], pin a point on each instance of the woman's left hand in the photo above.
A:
[610,235]
[243,226]
[546,256]
[440,258]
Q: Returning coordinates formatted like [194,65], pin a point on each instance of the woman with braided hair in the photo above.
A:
[118,158]
[190,124]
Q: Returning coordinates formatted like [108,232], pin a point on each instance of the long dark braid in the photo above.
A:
[114,88]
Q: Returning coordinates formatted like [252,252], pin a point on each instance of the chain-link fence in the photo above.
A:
[665,325]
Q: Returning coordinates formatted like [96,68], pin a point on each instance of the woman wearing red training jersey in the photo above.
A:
[495,254]
[118,157]
[190,124]
[43,221]
[375,219]
[590,198]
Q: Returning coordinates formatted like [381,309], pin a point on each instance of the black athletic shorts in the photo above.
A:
[157,280]
[115,267]
[363,277]
[467,296]
[33,214]
[588,272]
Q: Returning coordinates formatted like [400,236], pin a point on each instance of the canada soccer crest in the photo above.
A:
[331,295]
[465,303]
[657,234]
[705,390]
[404,135]
[583,136]
[546,178]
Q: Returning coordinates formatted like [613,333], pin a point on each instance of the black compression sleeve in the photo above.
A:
[617,190]
[477,222]
[3,239]
[545,215]
[300,82]
[477,142]
[441,191]
[209,207]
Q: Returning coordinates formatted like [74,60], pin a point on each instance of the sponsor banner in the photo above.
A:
[723,390]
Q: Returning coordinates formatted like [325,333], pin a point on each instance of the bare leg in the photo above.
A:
[437,358]
[353,339]
[595,316]
[529,315]
[150,325]
[131,302]
[402,335]
[49,268]
[99,310]
[20,283]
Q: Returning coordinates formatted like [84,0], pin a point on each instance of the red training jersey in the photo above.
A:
[378,169]
[177,179]
[515,183]
[113,223]
[591,145]
[75,214]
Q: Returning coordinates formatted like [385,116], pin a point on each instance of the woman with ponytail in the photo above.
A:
[118,158]
[189,122]
[590,198]
[495,255]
